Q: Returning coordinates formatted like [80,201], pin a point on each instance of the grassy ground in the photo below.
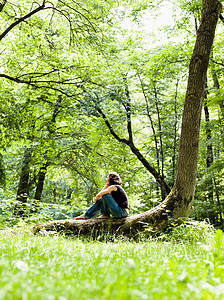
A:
[187,264]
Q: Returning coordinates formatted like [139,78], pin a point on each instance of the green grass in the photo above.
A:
[55,267]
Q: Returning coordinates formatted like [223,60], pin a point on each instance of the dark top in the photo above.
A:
[120,197]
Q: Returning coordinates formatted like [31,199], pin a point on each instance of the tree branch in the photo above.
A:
[137,153]
[35,82]
[110,127]
[218,63]
[128,110]
[20,20]
[2,4]
[160,130]
[151,122]
[35,85]
[82,15]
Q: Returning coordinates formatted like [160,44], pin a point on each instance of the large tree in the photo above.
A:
[178,203]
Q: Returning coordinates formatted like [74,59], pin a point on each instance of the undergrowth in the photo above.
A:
[43,212]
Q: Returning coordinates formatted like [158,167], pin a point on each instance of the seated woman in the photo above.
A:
[111,200]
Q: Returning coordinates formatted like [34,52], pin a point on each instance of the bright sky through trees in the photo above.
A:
[152,21]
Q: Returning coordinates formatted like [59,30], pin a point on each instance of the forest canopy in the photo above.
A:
[90,87]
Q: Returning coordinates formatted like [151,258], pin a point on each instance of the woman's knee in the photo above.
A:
[107,197]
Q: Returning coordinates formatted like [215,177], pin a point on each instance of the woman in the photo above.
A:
[111,200]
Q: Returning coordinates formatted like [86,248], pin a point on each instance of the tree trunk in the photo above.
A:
[23,187]
[209,160]
[184,187]
[40,183]
[43,168]
[221,105]
[220,221]
[209,157]
[217,87]
[54,194]
[2,172]
[163,193]
[178,204]
[175,136]
[39,188]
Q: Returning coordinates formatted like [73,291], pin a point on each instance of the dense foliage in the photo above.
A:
[83,85]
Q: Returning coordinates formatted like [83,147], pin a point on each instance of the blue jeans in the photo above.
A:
[107,205]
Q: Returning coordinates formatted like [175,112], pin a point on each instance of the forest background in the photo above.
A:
[93,87]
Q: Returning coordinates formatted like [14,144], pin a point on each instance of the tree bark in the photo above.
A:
[2,172]
[209,160]
[184,187]
[217,88]
[178,204]
[40,183]
[175,136]
[163,194]
[23,187]
[54,192]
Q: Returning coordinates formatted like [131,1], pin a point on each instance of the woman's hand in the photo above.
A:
[105,191]
[97,197]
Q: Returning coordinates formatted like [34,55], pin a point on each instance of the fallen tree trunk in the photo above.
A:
[178,204]
[151,221]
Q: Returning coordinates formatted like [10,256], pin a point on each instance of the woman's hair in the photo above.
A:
[114,178]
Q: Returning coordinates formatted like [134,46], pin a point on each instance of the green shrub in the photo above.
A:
[189,231]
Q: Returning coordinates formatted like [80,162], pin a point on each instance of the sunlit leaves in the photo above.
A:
[84,50]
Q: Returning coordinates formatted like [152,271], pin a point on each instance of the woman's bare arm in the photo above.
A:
[105,191]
